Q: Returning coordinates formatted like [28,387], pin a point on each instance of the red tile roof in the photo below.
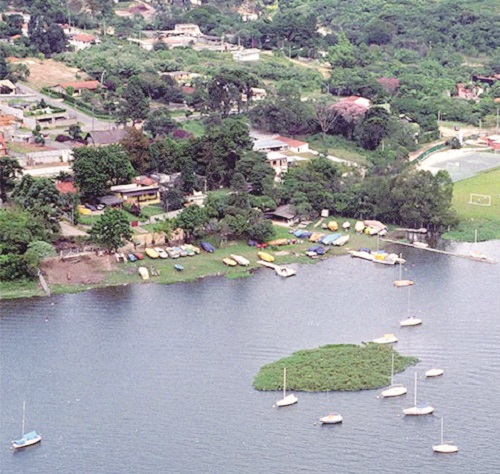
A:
[291,142]
[90,85]
[83,38]
[66,187]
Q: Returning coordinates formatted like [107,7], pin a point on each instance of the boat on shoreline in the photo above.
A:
[363,254]
[267,257]
[207,247]
[229,262]
[240,260]
[143,272]
[285,271]
[151,253]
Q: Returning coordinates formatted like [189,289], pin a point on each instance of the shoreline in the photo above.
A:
[104,272]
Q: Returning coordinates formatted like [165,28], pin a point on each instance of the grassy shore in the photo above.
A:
[343,367]
[199,266]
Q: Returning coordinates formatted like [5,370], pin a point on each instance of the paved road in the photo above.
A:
[88,122]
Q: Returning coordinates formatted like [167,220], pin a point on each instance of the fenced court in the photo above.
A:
[462,164]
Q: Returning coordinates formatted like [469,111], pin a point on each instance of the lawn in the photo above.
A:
[486,219]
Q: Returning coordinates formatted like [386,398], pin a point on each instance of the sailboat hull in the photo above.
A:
[394,392]
[410,322]
[287,401]
[23,442]
[445,448]
[417,411]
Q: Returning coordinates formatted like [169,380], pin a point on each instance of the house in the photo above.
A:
[66,187]
[187,29]
[278,162]
[135,194]
[82,41]
[252,54]
[144,43]
[105,137]
[283,214]
[361,101]
[182,77]
[78,87]
[7,87]
[269,144]
[468,92]
[294,145]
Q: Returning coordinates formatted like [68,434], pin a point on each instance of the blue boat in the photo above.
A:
[207,247]
[178,267]
[329,239]
[26,439]
[132,257]
[317,249]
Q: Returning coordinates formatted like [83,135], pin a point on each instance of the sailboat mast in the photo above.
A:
[442,430]
[24,413]
[400,265]
[284,382]
[392,369]
[415,396]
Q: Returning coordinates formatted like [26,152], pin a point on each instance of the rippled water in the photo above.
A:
[151,378]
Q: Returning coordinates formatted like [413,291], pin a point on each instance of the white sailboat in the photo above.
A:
[399,283]
[26,439]
[287,399]
[445,448]
[386,339]
[418,408]
[394,390]
[410,320]
[434,372]
[331,419]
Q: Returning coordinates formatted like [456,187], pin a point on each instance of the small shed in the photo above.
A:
[110,201]
[282,214]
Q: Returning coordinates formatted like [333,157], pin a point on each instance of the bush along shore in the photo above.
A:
[342,367]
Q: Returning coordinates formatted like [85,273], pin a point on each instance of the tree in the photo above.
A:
[137,146]
[325,115]
[134,105]
[111,228]
[159,123]
[4,70]
[372,128]
[96,169]
[75,132]
[191,220]
[10,169]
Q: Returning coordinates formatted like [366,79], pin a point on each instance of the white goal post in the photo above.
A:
[480,199]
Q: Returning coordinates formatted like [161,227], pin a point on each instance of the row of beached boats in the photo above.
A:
[336,239]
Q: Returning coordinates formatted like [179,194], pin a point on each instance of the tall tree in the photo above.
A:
[111,228]
[134,105]
[10,169]
[96,169]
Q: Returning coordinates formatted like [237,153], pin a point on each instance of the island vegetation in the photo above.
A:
[343,367]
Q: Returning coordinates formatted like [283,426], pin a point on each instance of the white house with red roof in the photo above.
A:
[82,41]
[78,86]
[296,146]
[361,101]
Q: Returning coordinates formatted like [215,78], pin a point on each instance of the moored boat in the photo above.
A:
[267,257]
[386,339]
[445,448]
[207,247]
[434,372]
[240,260]
[418,408]
[331,419]
[393,390]
[287,400]
[143,272]
[410,321]
[151,253]
[26,439]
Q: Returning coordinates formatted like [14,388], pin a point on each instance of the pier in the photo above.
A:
[444,252]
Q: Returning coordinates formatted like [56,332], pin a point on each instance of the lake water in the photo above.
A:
[151,378]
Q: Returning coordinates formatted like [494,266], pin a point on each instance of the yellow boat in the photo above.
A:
[315,236]
[229,262]
[151,253]
[333,226]
[265,256]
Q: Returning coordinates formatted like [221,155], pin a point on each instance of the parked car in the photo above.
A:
[91,207]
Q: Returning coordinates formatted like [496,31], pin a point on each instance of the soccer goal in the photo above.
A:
[480,199]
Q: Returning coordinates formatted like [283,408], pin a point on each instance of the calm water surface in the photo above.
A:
[150,378]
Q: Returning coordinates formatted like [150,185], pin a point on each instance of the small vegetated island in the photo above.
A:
[343,367]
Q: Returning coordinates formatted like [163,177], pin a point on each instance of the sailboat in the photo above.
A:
[287,399]
[445,448]
[418,409]
[476,253]
[401,282]
[410,320]
[26,439]
[394,390]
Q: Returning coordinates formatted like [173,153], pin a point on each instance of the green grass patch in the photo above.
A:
[20,289]
[342,367]
[339,147]
[196,127]
[486,219]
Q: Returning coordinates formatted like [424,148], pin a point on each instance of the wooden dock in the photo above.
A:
[444,252]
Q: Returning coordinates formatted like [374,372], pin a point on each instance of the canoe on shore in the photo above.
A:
[267,257]
[229,262]
[240,260]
